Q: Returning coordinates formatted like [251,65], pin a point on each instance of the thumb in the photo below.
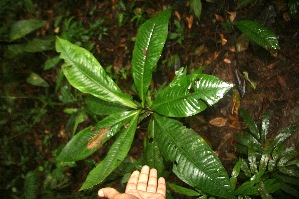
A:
[108,192]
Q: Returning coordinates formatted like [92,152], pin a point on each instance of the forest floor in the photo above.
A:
[272,83]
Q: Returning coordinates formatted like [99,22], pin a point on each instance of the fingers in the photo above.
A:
[143,178]
[152,181]
[146,181]
[108,192]
[161,186]
[132,182]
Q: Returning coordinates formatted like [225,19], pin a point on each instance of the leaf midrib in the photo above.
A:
[145,61]
[189,95]
[182,149]
[107,90]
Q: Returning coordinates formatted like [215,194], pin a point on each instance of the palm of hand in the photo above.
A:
[141,185]
[144,184]
[145,195]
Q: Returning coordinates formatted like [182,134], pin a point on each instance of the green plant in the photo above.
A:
[178,35]
[256,32]
[196,7]
[270,167]
[193,160]
[293,7]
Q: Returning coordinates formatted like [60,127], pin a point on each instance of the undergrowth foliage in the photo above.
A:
[194,161]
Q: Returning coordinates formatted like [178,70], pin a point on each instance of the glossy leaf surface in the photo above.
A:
[147,50]
[101,107]
[194,161]
[86,74]
[24,27]
[186,95]
[76,149]
[250,124]
[177,99]
[259,34]
[210,88]
[117,153]
[152,156]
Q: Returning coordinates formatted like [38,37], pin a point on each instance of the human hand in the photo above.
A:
[141,185]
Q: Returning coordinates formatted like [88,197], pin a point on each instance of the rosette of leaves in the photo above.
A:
[193,160]
[271,168]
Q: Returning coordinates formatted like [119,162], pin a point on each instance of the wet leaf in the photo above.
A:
[101,107]
[152,155]
[86,74]
[177,99]
[194,161]
[76,148]
[251,124]
[235,174]
[147,50]
[210,88]
[265,126]
[259,34]
[117,153]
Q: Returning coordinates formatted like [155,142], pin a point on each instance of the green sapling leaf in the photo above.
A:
[86,74]
[147,50]
[259,34]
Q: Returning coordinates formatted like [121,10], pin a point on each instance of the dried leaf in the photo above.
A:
[232,16]
[218,121]
[97,140]
[223,39]
[201,49]
[219,18]
[228,61]
[177,14]
[190,21]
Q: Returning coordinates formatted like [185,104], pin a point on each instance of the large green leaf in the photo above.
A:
[186,94]
[24,27]
[76,149]
[178,100]
[194,161]
[86,74]
[147,50]
[115,156]
[151,155]
[101,107]
[259,34]
[210,88]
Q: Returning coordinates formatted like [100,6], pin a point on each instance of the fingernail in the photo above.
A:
[101,193]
